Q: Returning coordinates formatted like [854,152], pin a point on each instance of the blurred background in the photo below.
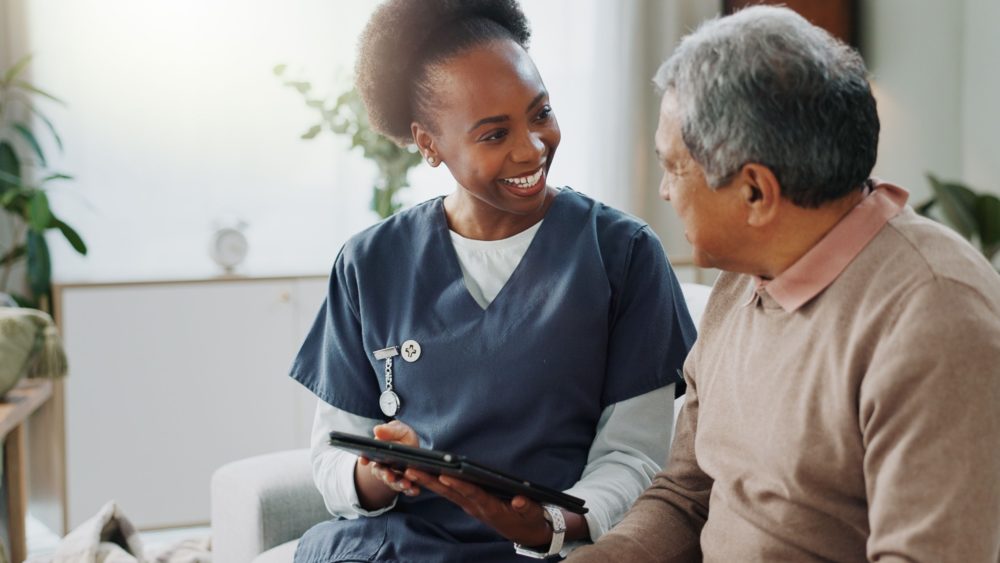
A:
[175,124]
[175,128]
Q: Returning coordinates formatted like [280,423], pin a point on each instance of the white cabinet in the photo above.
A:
[168,381]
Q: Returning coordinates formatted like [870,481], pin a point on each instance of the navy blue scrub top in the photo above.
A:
[592,315]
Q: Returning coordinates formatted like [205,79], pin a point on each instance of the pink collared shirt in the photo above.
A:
[817,268]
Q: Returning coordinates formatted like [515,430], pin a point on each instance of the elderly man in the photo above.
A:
[844,392]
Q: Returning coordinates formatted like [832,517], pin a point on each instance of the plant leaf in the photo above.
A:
[13,255]
[56,176]
[279,69]
[302,86]
[13,71]
[23,301]
[71,236]
[12,180]
[10,167]
[39,214]
[345,98]
[16,199]
[956,203]
[925,207]
[31,88]
[29,137]
[7,198]
[312,132]
[49,126]
[39,264]
[988,217]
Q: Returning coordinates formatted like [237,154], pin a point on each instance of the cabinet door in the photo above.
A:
[167,383]
[309,296]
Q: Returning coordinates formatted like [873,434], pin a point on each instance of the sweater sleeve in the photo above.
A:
[929,414]
[665,522]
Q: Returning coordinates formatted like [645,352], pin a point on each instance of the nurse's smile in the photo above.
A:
[528,185]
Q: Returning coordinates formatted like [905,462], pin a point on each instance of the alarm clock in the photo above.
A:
[229,247]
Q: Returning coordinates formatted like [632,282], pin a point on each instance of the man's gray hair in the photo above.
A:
[765,86]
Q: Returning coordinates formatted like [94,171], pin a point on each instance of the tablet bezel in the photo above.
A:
[498,483]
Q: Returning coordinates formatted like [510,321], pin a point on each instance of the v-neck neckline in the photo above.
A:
[454,267]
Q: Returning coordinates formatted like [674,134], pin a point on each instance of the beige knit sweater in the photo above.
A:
[865,425]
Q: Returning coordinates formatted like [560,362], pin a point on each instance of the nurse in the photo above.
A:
[526,326]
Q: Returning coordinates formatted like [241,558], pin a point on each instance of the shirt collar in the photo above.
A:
[817,268]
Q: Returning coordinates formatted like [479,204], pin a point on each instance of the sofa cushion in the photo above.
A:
[284,553]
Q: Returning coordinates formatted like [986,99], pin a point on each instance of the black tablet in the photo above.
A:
[436,462]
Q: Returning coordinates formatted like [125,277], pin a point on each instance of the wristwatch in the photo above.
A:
[554,517]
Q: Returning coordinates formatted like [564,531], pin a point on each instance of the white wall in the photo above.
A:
[937,80]
[667,23]
[981,95]
[175,122]
[914,52]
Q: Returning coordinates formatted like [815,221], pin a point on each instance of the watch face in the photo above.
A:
[229,247]
[389,402]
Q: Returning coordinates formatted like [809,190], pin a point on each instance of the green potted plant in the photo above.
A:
[24,178]
[345,115]
[976,216]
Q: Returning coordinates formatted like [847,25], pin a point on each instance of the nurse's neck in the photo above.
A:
[477,219]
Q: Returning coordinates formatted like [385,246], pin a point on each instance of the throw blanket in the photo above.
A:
[109,537]
[29,346]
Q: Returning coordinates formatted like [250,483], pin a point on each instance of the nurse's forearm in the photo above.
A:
[373,493]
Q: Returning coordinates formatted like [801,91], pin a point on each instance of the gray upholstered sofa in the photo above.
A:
[262,505]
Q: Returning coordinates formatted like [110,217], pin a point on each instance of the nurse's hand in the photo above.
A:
[520,520]
[378,485]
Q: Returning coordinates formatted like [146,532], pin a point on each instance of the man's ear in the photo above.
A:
[425,143]
[760,192]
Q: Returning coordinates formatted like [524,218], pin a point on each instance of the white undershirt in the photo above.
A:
[632,439]
[488,264]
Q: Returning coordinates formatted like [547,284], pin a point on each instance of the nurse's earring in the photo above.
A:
[425,143]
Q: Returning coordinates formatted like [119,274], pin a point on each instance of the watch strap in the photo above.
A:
[554,516]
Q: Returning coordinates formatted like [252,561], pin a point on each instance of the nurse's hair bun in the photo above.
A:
[404,38]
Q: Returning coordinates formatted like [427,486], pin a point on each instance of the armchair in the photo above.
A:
[262,505]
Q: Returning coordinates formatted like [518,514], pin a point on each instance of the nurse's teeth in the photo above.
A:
[526,181]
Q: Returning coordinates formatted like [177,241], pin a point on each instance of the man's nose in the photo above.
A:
[664,189]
